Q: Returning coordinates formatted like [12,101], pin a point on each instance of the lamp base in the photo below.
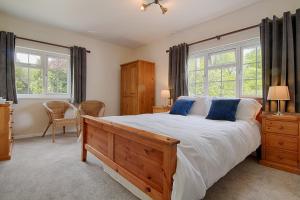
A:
[278,113]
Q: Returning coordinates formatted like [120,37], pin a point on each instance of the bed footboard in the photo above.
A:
[145,159]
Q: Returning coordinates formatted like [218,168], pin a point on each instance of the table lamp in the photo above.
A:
[278,93]
[165,95]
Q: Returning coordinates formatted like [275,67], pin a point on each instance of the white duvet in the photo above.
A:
[208,149]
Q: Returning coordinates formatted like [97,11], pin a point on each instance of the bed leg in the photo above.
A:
[83,142]
[83,154]
[258,153]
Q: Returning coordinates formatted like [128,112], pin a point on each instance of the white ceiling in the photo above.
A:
[120,21]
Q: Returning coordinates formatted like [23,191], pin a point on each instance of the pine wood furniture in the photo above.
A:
[146,159]
[92,107]
[281,141]
[137,87]
[160,109]
[56,112]
[6,140]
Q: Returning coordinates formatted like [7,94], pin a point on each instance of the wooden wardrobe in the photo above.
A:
[137,87]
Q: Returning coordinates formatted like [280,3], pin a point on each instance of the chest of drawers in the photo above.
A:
[6,140]
[280,142]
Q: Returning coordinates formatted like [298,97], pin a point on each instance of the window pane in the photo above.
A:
[214,88]
[199,88]
[21,80]
[214,75]
[200,63]
[249,71]
[22,57]
[192,64]
[196,75]
[199,76]
[35,81]
[249,88]
[249,55]
[222,58]
[259,54]
[259,88]
[228,74]
[192,89]
[192,77]
[57,75]
[259,71]
[229,88]
[34,59]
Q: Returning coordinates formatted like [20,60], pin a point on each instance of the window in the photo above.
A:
[41,73]
[196,75]
[252,71]
[230,71]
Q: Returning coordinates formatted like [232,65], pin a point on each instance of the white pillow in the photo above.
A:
[200,106]
[247,109]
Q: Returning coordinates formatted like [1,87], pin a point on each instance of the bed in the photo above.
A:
[169,156]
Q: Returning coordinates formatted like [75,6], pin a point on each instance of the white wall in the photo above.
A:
[103,70]
[103,62]
[248,16]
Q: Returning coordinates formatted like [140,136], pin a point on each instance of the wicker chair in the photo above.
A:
[92,107]
[56,111]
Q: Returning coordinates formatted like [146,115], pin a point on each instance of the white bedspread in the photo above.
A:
[208,149]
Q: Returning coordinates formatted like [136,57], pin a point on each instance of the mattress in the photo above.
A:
[208,149]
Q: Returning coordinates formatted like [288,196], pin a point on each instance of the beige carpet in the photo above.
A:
[41,170]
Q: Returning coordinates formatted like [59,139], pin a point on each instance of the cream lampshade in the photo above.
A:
[165,95]
[278,93]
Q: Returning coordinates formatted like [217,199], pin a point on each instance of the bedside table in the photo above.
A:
[160,109]
[280,142]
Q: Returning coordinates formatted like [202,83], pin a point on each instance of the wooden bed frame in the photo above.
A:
[145,159]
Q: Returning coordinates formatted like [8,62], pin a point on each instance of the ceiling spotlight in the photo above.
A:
[145,5]
[163,9]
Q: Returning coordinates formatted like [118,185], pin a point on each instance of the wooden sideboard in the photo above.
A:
[6,140]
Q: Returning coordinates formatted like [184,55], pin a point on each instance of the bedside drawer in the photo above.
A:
[290,128]
[282,157]
[282,142]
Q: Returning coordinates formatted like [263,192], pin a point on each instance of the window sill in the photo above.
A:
[25,97]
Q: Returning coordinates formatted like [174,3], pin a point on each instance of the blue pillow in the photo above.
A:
[223,109]
[181,107]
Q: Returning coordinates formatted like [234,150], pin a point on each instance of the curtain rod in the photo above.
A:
[52,44]
[218,37]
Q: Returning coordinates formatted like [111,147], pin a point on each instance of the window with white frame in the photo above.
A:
[42,73]
[229,71]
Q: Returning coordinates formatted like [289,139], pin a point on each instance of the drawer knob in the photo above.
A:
[281,143]
[279,157]
[281,127]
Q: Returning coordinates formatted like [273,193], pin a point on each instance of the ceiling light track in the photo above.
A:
[145,5]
